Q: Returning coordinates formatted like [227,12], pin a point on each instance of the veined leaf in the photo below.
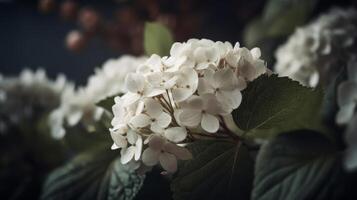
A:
[279,103]
[298,165]
[219,170]
[94,174]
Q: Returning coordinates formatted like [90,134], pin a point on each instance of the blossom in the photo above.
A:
[160,150]
[347,95]
[78,105]
[314,53]
[201,110]
[25,98]
[154,116]
[225,85]
[170,100]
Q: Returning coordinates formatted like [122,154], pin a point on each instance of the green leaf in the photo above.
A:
[219,170]
[94,174]
[275,8]
[298,165]
[107,103]
[279,103]
[157,39]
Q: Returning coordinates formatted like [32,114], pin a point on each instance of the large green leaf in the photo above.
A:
[298,165]
[157,39]
[277,103]
[94,174]
[219,170]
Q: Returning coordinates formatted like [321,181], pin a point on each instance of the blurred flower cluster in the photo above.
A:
[28,96]
[123,31]
[317,51]
[79,104]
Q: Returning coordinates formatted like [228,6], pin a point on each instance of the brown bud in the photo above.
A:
[89,19]
[46,6]
[68,9]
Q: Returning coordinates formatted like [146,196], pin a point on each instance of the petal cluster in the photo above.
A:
[171,99]
[314,53]
[27,97]
[79,104]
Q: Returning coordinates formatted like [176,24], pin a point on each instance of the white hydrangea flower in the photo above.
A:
[314,52]
[26,97]
[347,95]
[79,105]
[171,100]
[165,152]
[351,141]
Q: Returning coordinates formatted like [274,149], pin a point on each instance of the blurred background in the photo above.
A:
[75,36]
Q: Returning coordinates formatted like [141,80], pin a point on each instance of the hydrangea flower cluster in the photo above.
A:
[347,95]
[28,96]
[314,52]
[347,102]
[79,104]
[173,100]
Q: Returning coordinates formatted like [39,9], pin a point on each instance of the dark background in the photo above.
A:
[29,38]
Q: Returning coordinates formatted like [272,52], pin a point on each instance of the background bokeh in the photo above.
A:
[31,38]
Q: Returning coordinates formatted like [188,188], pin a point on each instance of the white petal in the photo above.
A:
[156,128]
[164,120]
[132,136]
[223,78]
[151,92]
[168,162]
[114,146]
[153,108]
[209,123]
[156,142]
[347,93]
[256,53]
[190,118]
[231,99]
[58,132]
[176,134]
[180,152]
[154,78]
[140,121]
[345,113]
[211,104]
[119,140]
[150,157]
[74,117]
[138,147]
[181,94]
[134,82]
[204,87]
[130,98]
[127,154]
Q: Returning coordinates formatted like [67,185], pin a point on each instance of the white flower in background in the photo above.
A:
[347,95]
[347,101]
[351,141]
[79,104]
[29,96]
[315,52]
[170,100]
